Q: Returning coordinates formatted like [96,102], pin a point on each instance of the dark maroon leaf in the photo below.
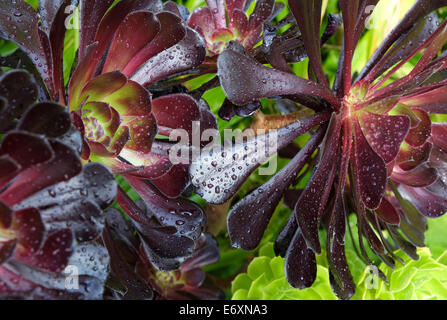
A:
[431,202]
[249,218]
[387,213]
[171,33]
[8,170]
[384,133]
[173,183]
[20,91]
[184,215]
[133,34]
[206,253]
[409,157]
[136,287]
[309,208]
[176,111]
[245,80]
[54,254]
[421,176]
[49,119]
[187,54]
[65,165]
[300,264]
[91,13]
[419,135]
[19,23]
[308,15]
[370,171]
[26,149]
[439,132]
[338,265]
[30,230]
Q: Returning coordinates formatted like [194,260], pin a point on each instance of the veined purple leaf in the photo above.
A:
[218,175]
[371,171]
[249,218]
[188,54]
[245,80]
[300,264]
[384,133]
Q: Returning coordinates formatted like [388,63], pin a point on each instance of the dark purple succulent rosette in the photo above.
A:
[50,205]
[124,49]
[133,274]
[379,154]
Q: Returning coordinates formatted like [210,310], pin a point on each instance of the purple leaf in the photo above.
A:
[308,16]
[91,13]
[384,133]
[300,264]
[188,54]
[370,171]
[19,23]
[218,175]
[133,34]
[245,80]
[249,218]
[312,202]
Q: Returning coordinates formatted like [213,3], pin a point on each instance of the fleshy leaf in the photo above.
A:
[384,133]
[249,218]
[134,33]
[371,171]
[218,175]
[245,80]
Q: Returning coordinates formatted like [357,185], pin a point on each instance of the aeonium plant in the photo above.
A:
[124,48]
[51,206]
[379,155]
